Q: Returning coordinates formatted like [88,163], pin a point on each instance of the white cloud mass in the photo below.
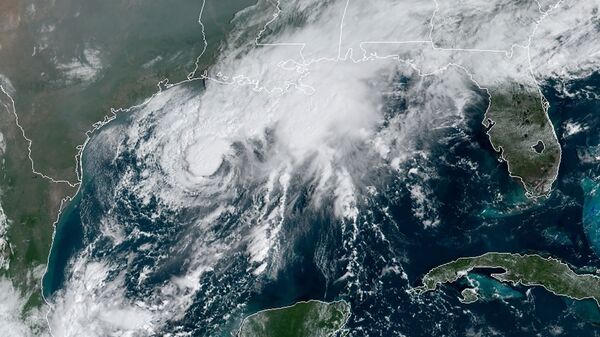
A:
[312,94]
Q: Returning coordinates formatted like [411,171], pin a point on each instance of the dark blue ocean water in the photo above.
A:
[393,249]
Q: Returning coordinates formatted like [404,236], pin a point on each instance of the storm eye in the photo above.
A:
[205,156]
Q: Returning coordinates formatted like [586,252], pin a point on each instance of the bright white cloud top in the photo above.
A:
[304,84]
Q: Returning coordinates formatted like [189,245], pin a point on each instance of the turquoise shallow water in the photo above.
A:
[140,44]
[69,239]
[558,226]
[392,249]
[591,212]
[489,289]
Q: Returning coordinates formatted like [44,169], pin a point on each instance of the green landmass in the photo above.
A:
[303,319]
[31,204]
[469,295]
[142,44]
[527,270]
[519,128]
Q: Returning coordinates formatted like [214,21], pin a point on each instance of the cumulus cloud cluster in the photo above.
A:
[15,321]
[315,89]
[84,69]
[314,84]
[11,304]
[304,88]
[563,45]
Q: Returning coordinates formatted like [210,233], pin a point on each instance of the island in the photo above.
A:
[528,270]
[469,295]
[303,319]
[518,127]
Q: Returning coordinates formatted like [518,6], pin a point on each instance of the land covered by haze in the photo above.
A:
[64,65]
